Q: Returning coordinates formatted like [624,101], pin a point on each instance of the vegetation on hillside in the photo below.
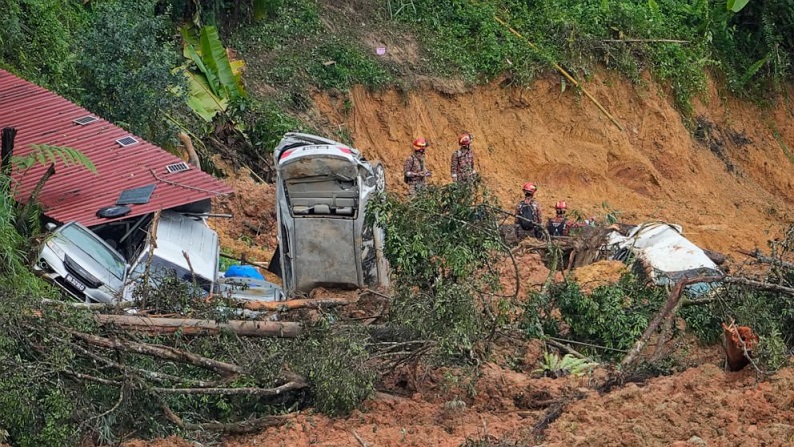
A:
[65,377]
[119,60]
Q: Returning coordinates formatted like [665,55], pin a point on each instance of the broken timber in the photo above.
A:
[283,329]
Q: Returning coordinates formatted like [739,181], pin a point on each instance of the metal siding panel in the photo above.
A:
[74,193]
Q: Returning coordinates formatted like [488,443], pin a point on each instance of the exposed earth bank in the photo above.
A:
[728,180]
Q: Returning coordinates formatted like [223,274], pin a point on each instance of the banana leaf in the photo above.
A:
[737,5]
[201,98]
[216,60]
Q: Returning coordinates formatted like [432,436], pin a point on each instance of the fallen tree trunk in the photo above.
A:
[193,326]
[308,303]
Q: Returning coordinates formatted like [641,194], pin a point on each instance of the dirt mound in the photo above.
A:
[251,231]
[600,273]
[655,169]
[719,407]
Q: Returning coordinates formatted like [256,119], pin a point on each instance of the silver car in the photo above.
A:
[82,264]
[322,190]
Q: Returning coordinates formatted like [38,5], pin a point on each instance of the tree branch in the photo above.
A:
[160,351]
[247,426]
[250,391]
[667,312]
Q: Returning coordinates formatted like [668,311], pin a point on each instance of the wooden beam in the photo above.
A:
[194,326]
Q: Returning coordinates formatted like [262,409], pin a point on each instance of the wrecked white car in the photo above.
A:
[88,269]
[322,191]
[83,265]
[663,253]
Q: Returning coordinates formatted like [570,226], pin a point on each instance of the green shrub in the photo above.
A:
[440,244]
[38,40]
[614,315]
[126,58]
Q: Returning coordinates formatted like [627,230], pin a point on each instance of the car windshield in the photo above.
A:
[89,244]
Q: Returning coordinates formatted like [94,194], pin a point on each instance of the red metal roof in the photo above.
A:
[74,192]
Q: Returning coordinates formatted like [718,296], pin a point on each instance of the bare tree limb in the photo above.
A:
[250,391]
[666,312]
[160,351]
[759,285]
[151,375]
[767,259]
[194,326]
[646,40]
[247,426]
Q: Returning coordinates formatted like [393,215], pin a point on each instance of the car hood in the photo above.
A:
[87,262]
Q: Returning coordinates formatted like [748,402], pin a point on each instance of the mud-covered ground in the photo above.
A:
[727,179]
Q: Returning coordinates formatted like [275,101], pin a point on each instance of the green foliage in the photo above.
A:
[771,352]
[213,80]
[37,39]
[125,63]
[613,315]
[439,244]
[702,322]
[554,366]
[631,36]
[44,154]
[737,5]
[338,64]
[265,123]
[335,363]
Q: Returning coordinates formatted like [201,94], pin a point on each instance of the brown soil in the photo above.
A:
[730,186]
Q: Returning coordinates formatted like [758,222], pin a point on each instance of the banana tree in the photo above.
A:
[737,5]
[213,76]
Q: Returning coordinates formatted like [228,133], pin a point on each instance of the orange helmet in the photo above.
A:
[420,144]
[561,206]
[465,139]
[529,187]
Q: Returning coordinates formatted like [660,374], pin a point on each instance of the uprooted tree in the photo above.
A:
[184,362]
[187,363]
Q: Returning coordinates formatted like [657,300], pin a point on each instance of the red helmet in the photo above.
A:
[529,187]
[420,144]
[561,206]
[465,139]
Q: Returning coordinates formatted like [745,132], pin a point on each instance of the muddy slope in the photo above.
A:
[728,181]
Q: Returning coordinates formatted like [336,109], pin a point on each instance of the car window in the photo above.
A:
[88,243]
[162,268]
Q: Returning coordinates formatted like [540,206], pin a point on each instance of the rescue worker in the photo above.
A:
[414,171]
[528,213]
[462,166]
[560,225]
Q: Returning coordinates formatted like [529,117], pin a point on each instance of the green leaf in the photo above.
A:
[737,5]
[201,98]
[216,59]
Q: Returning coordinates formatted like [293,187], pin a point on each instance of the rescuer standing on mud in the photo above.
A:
[528,213]
[462,166]
[414,172]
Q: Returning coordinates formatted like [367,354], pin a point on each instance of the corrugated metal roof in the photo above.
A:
[75,193]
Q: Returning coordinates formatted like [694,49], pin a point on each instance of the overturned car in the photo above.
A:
[322,191]
[663,254]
